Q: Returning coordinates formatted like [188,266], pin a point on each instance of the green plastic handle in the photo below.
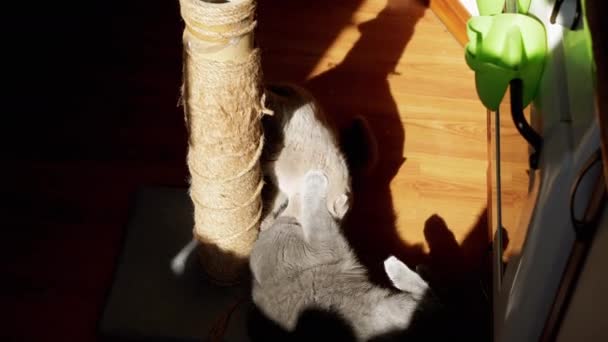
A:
[504,47]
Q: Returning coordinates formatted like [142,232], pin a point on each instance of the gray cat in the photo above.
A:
[305,264]
[299,138]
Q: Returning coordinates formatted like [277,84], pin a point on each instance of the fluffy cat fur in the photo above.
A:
[299,139]
[304,263]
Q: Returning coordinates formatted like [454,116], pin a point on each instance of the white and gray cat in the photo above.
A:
[304,263]
[299,138]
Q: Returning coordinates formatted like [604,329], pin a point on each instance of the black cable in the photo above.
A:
[581,225]
[519,119]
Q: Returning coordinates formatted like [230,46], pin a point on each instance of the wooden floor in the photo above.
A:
[103,121]
[396,65]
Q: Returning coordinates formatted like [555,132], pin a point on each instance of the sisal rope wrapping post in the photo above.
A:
[222,98]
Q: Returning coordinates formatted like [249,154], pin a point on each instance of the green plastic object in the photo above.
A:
[493,7]
[504,47]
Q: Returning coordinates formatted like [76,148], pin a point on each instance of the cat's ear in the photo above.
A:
[403,278]
[341,206]
[360,146]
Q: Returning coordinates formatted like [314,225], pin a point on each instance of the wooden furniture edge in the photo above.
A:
[454,16]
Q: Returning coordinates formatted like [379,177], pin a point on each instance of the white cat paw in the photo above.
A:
[178,263]
[403,278]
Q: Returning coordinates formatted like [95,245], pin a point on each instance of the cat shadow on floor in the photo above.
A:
[461,276]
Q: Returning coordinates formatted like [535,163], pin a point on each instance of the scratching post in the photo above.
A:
[222,103]
[222,100]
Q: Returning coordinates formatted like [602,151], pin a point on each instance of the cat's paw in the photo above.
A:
[178,263]
[403,278]
[315,182]
[341,206]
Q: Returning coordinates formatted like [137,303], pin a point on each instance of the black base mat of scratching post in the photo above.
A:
[151,300]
